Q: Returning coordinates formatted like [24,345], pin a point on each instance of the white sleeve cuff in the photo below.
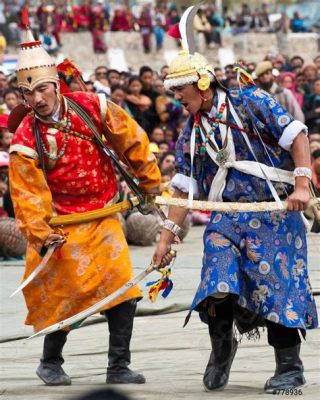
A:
[182,182]
[290,133]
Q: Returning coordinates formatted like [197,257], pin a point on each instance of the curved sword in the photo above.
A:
[98,306]
[39,268]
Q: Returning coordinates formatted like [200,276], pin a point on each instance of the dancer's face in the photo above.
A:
[43,99]
[189,96]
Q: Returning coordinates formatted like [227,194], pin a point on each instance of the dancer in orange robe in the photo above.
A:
[94,260]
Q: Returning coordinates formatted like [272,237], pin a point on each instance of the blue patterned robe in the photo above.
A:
[260,257]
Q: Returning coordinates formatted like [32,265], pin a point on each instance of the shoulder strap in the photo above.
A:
[39,147]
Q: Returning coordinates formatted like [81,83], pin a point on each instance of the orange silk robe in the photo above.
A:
[94,261]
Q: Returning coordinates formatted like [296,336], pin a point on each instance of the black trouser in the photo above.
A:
[281,337]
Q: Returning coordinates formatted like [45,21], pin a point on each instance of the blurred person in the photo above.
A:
[288,81]
[163,147]
[113,77]
[118,95]
[310,72]
[168,110]
[138,104]
[264,16]
[314,139]
[267,82]
[219,74]
[145,24]
[163,71]
[159,32]
[3,84]
[208,159]
[311,107]
[167,160]
[11,98]
[280,63]
[229,72]
[173,16]
[315,163]
[120,21]
[297,23]
[49,41]
[94,260]
[296,62]
[101,72]
[5,135]
[251,66]
[166,176]
[300,84]
[202,26]
[98,26]
[154,149]
[157,135]
[217,23]
[147,79]
[170,136]
[146,75]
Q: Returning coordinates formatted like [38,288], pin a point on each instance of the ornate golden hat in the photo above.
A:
[188,67]
[34,65]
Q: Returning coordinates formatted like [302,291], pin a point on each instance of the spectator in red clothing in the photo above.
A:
[145,23]
[288,81]
[98,27]
[120,21]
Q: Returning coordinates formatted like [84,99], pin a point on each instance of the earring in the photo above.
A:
[203,82]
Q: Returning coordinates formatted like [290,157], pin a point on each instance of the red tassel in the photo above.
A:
[174,32]
[24,17]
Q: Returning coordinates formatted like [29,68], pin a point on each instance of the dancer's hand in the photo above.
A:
[298,200]
[163,255]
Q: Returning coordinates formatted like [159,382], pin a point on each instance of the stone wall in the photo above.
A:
[128,46]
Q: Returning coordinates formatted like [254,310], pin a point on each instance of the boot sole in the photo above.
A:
[52,384]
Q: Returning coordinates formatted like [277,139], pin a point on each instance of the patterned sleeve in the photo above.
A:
[31,199]
[129,140]
[272,118]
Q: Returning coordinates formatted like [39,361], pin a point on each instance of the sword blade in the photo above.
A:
[36,271]
[96,307]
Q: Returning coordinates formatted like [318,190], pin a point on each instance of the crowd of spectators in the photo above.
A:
[49,18]
[293,82]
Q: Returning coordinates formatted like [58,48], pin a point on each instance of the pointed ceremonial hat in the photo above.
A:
[188,67]
[34,64]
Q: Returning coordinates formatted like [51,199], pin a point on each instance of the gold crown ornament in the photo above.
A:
[34,65]
[188,67]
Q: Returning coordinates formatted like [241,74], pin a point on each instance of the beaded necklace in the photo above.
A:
[65,126]
[222,154]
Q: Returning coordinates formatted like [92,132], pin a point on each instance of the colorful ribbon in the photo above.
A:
[164,283]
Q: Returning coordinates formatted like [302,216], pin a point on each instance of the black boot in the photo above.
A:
[50,370]
[289,370]
[224,347]
[120,321]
